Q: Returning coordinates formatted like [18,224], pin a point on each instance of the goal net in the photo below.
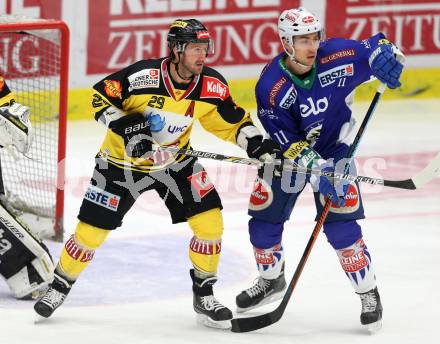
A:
[34,64]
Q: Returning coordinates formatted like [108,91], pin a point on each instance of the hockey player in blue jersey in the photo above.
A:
[304,97]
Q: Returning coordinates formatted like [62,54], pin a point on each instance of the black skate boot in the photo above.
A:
[54,297]
[209,311]
[371,316]
[264,291]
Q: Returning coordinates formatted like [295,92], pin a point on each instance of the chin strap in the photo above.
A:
[293,59]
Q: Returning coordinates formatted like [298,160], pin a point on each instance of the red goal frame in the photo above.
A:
[61,26]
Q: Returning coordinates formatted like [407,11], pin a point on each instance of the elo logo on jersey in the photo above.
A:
[143,79]
[102,198]
[214,88]
[289,98]
[320,106]
[329,77]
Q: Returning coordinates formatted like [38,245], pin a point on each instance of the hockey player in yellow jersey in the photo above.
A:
[155,103]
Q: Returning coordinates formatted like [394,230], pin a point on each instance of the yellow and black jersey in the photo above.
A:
[146,87]
[6,96]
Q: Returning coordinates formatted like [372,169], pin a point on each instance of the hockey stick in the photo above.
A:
[416,182]
[263,320]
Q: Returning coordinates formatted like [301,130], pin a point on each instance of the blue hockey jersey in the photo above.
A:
[315,109]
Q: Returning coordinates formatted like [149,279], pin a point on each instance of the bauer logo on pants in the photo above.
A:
[103,198]
[261,196]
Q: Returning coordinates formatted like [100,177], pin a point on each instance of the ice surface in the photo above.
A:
[138,290]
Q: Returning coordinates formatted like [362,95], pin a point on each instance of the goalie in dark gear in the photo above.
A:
[25,262]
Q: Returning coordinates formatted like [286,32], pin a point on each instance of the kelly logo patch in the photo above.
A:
[214,88]
[102,198]
[145,78]
[329,77]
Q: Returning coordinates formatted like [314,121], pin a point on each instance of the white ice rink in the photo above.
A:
[138,290]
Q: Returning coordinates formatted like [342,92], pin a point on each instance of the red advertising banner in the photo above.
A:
[47,9]
[413,25]
[124,31]
[23,55]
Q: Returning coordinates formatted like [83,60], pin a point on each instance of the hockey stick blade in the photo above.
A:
[431,171]
[240,325]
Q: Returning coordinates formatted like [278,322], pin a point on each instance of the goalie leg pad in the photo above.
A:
[25,262]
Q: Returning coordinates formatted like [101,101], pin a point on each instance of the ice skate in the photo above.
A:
[264,291]
[371,316]
[53,298]
[210,312]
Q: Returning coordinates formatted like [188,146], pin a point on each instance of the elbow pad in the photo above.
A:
[108,115]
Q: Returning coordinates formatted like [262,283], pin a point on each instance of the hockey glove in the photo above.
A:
[335,191]
[263,149]
[251,140]
[136,133]
[266,150]
[15,127]
[301,154]
[386,66]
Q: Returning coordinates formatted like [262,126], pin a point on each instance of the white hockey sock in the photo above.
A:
[356,262]
[269,261]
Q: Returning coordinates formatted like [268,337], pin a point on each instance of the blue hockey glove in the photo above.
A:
[336,192]
[385,65]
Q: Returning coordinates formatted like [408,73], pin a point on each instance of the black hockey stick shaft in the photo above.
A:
[2,188]
[408,184]
[267,319]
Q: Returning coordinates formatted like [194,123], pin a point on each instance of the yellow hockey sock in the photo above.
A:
[205,245]
[79,250]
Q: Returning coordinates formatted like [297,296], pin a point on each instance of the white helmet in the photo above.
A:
[296,22]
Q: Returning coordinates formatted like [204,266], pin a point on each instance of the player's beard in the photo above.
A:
[192,69]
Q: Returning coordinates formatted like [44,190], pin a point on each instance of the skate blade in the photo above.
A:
[207,321]
[373,327]
[39,319]
[272,298]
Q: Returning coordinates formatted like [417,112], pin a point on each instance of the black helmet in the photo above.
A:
[183,31]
